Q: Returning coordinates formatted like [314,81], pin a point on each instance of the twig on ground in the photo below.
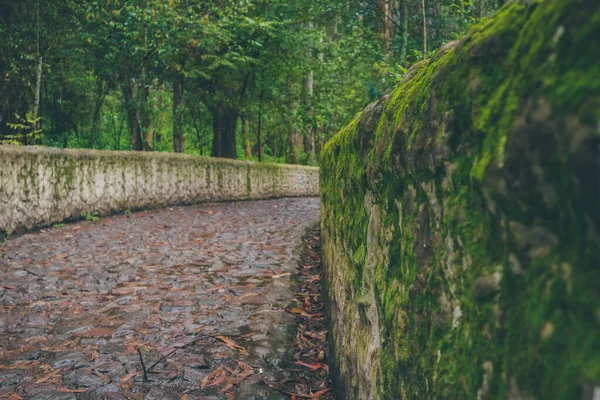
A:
[143,366]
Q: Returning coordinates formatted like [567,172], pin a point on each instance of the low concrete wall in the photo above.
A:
[39,186]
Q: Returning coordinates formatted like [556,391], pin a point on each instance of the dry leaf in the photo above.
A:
[313,367]
[50,376]
[320,393]
[303,313]
[280,275]
[232,344]
[211,376]
[129,376]
[65,390]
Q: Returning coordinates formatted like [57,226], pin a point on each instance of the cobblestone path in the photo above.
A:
[80,303]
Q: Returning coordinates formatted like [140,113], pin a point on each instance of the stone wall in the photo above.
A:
[461,218]
[39,186]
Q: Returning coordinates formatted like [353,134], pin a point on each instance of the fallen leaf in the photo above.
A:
[313,367]
[50,376]
[280,275]
[217,381]
[129,376]
[320,393]
[97,332]
[65,390]
[232,344]
[211,376]
[303,313]
[214,289]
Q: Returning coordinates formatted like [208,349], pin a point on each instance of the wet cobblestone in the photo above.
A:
[77,302]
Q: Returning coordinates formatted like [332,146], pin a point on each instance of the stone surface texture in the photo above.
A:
[39,186]
[460,219]
[77,302]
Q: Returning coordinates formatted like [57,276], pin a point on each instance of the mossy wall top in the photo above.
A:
[39,186]
[461,218]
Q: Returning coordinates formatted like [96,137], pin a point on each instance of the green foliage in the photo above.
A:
[24,131]
[92,216]
[110,70]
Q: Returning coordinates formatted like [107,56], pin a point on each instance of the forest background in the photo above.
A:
[265,80]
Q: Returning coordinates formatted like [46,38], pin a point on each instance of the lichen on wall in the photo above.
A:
[39,186]
[460,219]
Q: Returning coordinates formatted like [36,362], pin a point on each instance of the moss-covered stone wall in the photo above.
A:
[39,186]
[461,218]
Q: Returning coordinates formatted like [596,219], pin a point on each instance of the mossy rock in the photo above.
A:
[460,218]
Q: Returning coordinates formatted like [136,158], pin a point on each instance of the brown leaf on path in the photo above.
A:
[232,344]
[217,381]
[303,313]
[214,289]
[315,395]
[51,376]
[313,367]
[97,332]
[320,393]
[65,390]
[184,397]
[217,372]
[228,386]
[317,335]
[129,376]
[280,275]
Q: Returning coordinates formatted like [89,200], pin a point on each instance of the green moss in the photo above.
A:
[481,162]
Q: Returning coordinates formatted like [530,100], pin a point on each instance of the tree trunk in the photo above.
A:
[259,130]
[294,144]
[404,48]
[310,129]
[178,108]
[38,88]
[424,30]
[224,131]
[133,117]
[387,26]
[246,136]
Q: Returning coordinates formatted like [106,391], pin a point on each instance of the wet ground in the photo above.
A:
[199,295]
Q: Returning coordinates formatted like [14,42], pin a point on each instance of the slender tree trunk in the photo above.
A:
[404,49]
[145,114]
[294,143]
[224,131]
[178,109]
[246,136]
[310,129]
[161,114]
[38,89]
[424,30]
[133,116]
[387,26]
[259,130]
[101,93]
